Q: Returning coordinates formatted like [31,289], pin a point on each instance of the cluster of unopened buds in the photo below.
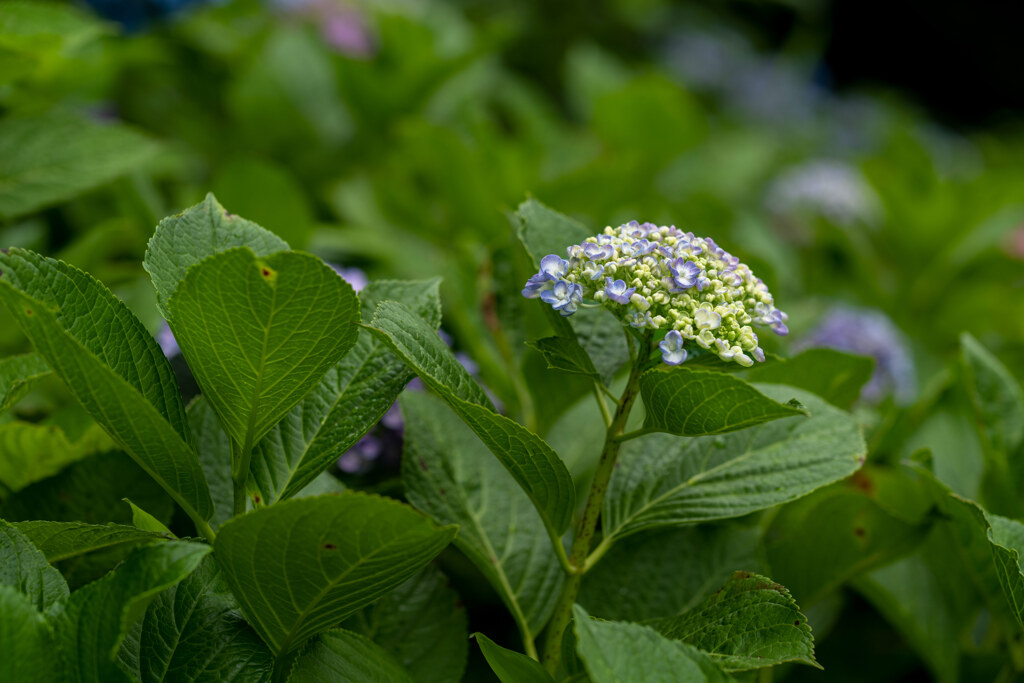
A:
[661,278]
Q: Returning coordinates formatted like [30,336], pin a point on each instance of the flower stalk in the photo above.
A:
[578,558]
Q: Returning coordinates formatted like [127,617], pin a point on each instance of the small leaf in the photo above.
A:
[340,655]
[18,374]
[752,622]
[662,480]
[301,566]
[24,567]
[835,376]
[997,397]
[449,475]
[700,402]
[260,332]
[422,624]
[147,522]
[537,468]
[565,354]
[615,651]
[112,366]
[91,624]
[511,666]
[348,402]
[183,240]
[192,632]
[61,540]
[26,640]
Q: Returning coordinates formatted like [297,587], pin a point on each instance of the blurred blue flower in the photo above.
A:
[168,344]
[354,276]
[833,189]
[134,15]
[868,332]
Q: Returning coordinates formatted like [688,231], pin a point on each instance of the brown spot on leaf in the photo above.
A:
[423,464]
[256,498]
[266,272]
[796,623]
[330,546]
[859,532]
[28,311]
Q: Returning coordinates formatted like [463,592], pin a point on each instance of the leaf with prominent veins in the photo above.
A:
[259,332]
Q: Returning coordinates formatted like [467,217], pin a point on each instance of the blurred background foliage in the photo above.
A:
[398,137]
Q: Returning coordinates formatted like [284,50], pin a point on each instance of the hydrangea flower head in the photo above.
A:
[661,278]
[868,332]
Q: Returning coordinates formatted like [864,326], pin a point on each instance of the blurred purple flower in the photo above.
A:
[168,344]
[353,276]
[833,189]
[868,332]
[360,458]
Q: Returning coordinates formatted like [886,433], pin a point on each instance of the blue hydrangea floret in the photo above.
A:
[661,278]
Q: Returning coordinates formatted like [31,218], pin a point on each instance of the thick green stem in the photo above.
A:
[591,512]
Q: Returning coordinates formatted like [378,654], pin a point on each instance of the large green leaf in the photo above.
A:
[997,397]
[26,640]
[751,622]
[24,567]
[18,374]
[511,666]
[91,624]
[819,542]
[183,240]
[301,566]
[349,400]
[193,632]
[448,474]
[701,402]
[665,572]
[48,158]
[662,480]
[61,540]
[260,332]
[30,452]
[835,376]
[340,655]
[532,463]
[422,624]
[112,366]
[619,652]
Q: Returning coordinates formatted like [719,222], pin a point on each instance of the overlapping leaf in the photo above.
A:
[422,625]
[700,402]
[193,632]
[997,397]
[112,366]
[25,568]
[91,624]
[18,374]
[616,651]
[532,463]
[752,622]
[341,655]
[349,400]
[26,640]
[260,332]
[449,475]
[301,566]
[30,452]
[662,480]
[61,540]
[183,240]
